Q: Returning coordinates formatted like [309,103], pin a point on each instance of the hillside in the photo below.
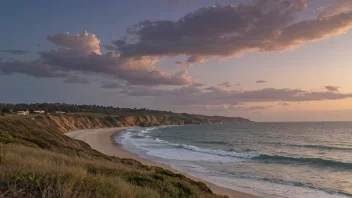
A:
[38,160]
[109,111]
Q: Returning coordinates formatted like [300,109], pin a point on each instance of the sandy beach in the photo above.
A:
[101,140]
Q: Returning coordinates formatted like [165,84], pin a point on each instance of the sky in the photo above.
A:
[266,60]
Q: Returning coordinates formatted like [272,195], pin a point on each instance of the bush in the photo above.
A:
[41,143]
[2,154]
[5,110]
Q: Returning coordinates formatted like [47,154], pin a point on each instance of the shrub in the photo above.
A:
[5,110]
[2,154]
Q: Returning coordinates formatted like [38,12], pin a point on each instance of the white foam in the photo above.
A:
[173,151]
[218,152]
[209,151]
[185,155]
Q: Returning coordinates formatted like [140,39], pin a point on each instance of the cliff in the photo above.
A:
[73,122]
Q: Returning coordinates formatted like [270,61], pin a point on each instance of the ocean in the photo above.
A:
[300,160]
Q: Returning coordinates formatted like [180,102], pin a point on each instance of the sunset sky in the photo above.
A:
[266,60]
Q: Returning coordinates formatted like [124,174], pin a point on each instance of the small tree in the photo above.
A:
[5,110]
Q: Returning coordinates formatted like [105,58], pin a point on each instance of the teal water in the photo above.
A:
[284,159]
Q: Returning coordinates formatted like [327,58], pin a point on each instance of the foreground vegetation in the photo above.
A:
[37,160]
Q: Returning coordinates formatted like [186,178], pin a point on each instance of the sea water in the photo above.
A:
[300,160]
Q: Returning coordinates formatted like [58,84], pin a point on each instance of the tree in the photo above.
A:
[6,110]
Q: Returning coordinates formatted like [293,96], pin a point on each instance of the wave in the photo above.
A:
[208,151]
[289,183]
[219,142]
[312,146]
[321,147]
[213,142]
[262,157]
[142,132]
[217,152]
[311,161]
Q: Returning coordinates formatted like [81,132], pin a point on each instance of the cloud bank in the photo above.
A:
[225,84]
[229,30]
[191,95]
[217,31]
[81,53]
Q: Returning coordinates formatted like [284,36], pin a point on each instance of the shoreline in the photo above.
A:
[101,140]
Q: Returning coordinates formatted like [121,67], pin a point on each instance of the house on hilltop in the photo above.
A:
[22,112]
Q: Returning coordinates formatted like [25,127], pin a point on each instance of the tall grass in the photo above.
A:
[33,172]
[36,160]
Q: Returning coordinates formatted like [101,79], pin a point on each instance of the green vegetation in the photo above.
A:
[37,160]
[105,111]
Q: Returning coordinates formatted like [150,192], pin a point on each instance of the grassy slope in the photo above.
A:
[37,160]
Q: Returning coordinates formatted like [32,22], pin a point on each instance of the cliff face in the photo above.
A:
[46,131]
[72,122]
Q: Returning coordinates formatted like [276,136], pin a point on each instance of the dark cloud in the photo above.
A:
[225,84]
[135,71]
[237,107]
[287,95]
[32,68]
[80,53]
[192,95]
[211,88]
[261,81]
[337,7]
[332,88]
[77,80]
[112,85]
[16,52]
[226,31]
[191,60]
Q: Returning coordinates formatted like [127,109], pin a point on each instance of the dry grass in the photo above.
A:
[39,161]
[33,172]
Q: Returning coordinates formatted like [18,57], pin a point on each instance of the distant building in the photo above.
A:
[60,112]
[39,112]
[22,112]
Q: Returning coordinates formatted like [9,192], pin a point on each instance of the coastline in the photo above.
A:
[101,140]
